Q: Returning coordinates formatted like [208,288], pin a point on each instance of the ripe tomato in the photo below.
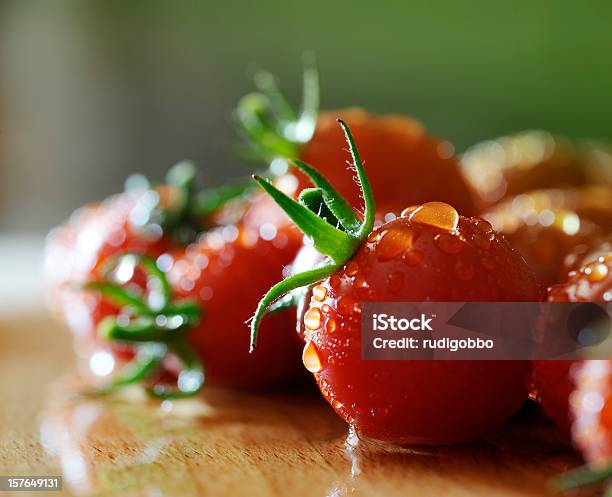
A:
[108,265]
[592,411]
[554,380]
[515,164]
[431,253]
[424,402]
[546,226]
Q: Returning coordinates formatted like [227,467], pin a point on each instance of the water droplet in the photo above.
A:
[598,272]
[330,325]
[464,270]
[351,268]
[311,359]
[394,242]
[336,404]
[373,237]
[413,257]
[312,319]
[361,282]
[395,282]
[319,292]
[436,214]
[449,243]
[409,210]
[483,234]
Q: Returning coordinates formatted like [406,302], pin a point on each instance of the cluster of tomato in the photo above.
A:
[165,279]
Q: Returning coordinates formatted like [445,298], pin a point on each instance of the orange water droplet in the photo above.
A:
[325,308]
[330,325]
[373,237]
[351,268]
[409,210]
[484,226]
[395,282]
[310,358]
[413,257]
[336,404]
[449,243]
[464,270]
[483,234]
[436,214]
[319,292]
[312,319]
[598,272]
[361,282]
[346,305]
[394,242]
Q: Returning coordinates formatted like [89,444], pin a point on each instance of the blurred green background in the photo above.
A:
[93,90]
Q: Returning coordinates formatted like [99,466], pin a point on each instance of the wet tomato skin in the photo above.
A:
[422,402]
[546,226]
[553,384]
[592,411]
[76,251]
[554,381]
[515,164]
[405,165]
[243,259]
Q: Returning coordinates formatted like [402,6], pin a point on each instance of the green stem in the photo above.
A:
[190,380]
[117,295]
[208,201]
[364,184]
[291,283]
[147,361]
[313,199]
[182,177]
[154,331]
[333,200]
[580,477]
[327,239]
[141,329]
[270,124]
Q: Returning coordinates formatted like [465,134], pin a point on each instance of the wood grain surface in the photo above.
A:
[235,444]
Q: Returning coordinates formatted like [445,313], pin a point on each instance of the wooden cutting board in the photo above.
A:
[228,443]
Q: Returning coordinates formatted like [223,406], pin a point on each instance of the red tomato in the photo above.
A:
[554,380]
[515,164]
[592,410]
[546,226]
[424,402]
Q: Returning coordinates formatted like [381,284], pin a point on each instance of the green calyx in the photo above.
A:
[270,124]
[324,216]
[581,477]
[153,322]
[186,216]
